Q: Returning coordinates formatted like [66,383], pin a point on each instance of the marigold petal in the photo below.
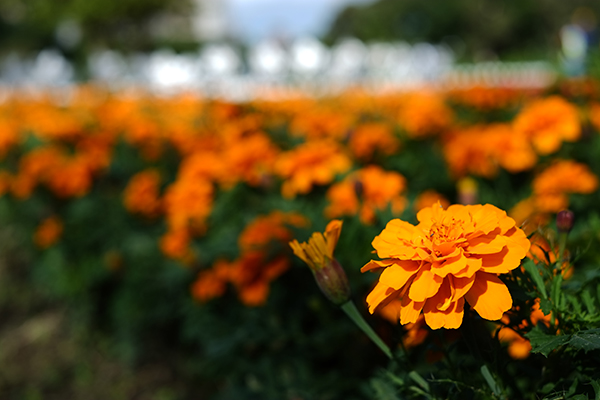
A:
[380,296]
[332,234]
[473,265]
[451,318]
[502,262]
[489,296]
[451,265]
[409,313]
[460,286]
[488,244]
[425,285]
[377,264]
[399,273]
[516,239]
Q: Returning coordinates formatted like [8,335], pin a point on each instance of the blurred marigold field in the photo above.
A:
[146,244]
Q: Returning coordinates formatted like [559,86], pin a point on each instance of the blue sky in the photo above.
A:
[253,20]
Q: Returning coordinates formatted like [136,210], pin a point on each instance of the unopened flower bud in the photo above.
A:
[359,188]
[333,282]
[564,221]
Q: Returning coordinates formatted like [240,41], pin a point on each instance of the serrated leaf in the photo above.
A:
[546,306]
[543,343]
[586,340]
[534,272]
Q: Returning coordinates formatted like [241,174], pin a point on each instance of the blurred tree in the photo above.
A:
[122,24]
[483,27]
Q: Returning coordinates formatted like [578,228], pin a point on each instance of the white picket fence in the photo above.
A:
[269,67]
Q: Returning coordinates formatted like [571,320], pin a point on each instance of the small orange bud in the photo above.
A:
[318,254]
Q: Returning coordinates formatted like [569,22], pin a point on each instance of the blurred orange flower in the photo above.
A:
[371,138]
[547,123]
[48,232]
[141,195]
[257,266]
[429,198]
[365,192]
[480,150]
[450,256]
[312,163]
[552,186]
[424,114]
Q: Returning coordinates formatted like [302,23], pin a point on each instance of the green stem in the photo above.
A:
[562,244]
[351,310]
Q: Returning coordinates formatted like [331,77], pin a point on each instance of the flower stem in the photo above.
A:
[562,244]
[352,312]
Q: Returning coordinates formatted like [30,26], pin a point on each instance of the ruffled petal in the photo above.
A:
[450,318]
[489,296]
[425,285]
[380,296]
[397,275]
[409,313]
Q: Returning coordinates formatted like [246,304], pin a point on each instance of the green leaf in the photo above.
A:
[414,375]
[546,306]
[543,343]
[596,386]
[587,299]
[383,390]
[534,272]
[586,340]
[490,380]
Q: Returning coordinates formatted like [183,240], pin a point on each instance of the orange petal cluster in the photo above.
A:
[142,193]
[553,185]
[480,150]
[312,163]
[547,123]
[260,262]
[451,256]
[366,191]
[48,232]
[373,138]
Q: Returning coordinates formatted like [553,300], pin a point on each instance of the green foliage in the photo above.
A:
[506,28]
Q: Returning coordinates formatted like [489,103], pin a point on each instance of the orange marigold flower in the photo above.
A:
[211,283]
[264,229]
[450,256]
[187,204]
[429,198]
[70,178]
[552,186]
[256,267]
[547,123]
[48,232]
[141,196]
[252,274]
[480,150]
[175,244]
[249,159]
[366,191]
[312,163]
[371,138]
[424,114]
